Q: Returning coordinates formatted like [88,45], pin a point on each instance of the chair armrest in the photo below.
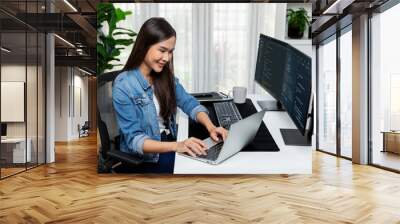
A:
[124,157]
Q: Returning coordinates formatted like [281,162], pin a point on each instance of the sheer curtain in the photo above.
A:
[216,46]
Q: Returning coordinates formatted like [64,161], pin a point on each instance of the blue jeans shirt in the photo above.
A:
[136,113]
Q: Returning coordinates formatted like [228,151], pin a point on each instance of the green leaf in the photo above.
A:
[115,52]
[101,7]
[107,49]
[108,66]
[119,15]
[124,42]
[100,49]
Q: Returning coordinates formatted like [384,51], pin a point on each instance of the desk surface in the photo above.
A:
[13,140]
[289,160]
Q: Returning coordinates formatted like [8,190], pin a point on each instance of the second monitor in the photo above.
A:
[285,73]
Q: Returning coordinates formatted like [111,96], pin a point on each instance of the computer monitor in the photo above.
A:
[271,60]
[3,129]
[285,73]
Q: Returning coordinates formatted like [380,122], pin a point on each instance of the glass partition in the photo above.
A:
[22,88]
[14,154]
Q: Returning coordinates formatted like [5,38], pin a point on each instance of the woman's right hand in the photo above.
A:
[191,146]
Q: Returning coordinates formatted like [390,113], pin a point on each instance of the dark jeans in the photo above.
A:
[165,162]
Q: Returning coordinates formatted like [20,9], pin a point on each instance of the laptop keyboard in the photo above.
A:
[213,152]
[227,113]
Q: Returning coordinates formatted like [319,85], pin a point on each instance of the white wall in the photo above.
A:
[80,83]
[33,127]
[12,73]
[61,103]
[69,82]
[16,72]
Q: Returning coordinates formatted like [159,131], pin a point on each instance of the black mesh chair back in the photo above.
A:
[86,125]
[104,102]
[108,126]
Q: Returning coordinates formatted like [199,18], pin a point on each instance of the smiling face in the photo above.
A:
[159,55]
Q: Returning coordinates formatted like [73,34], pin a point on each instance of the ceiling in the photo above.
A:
[72,20]
[332,15]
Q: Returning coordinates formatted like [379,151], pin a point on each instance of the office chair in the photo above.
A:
[109,154]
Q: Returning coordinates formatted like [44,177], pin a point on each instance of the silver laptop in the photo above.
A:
[240,134]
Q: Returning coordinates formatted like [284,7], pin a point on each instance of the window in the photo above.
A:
[216,44]
[230,26]
[334,106]
[327,97]
[346,94]
[385,89]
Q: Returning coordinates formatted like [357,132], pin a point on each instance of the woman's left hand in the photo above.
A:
[217,132]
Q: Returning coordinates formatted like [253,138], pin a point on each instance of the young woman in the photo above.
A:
[146,96]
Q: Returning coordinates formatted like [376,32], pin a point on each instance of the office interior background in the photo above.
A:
[48,84]
[48,63]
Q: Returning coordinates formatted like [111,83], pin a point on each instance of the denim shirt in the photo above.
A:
[136,113]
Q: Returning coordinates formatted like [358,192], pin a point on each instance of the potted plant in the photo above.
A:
[298,20]
[110,44]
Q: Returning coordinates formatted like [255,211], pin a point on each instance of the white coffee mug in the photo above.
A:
[239,94]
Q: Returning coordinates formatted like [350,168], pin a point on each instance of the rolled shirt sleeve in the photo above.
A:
[138,142]
[199,108]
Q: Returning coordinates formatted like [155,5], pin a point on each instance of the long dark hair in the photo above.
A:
[153,31]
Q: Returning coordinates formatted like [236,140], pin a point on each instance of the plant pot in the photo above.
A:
[294,32]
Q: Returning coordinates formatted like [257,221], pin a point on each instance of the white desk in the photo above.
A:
[18,149]
[289,160]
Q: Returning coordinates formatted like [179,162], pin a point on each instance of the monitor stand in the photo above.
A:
[270,105]
[294,137]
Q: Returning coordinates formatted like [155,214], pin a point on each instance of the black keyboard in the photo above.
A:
[227,113]
[213,152]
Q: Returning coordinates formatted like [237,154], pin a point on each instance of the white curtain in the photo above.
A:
[216,46]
